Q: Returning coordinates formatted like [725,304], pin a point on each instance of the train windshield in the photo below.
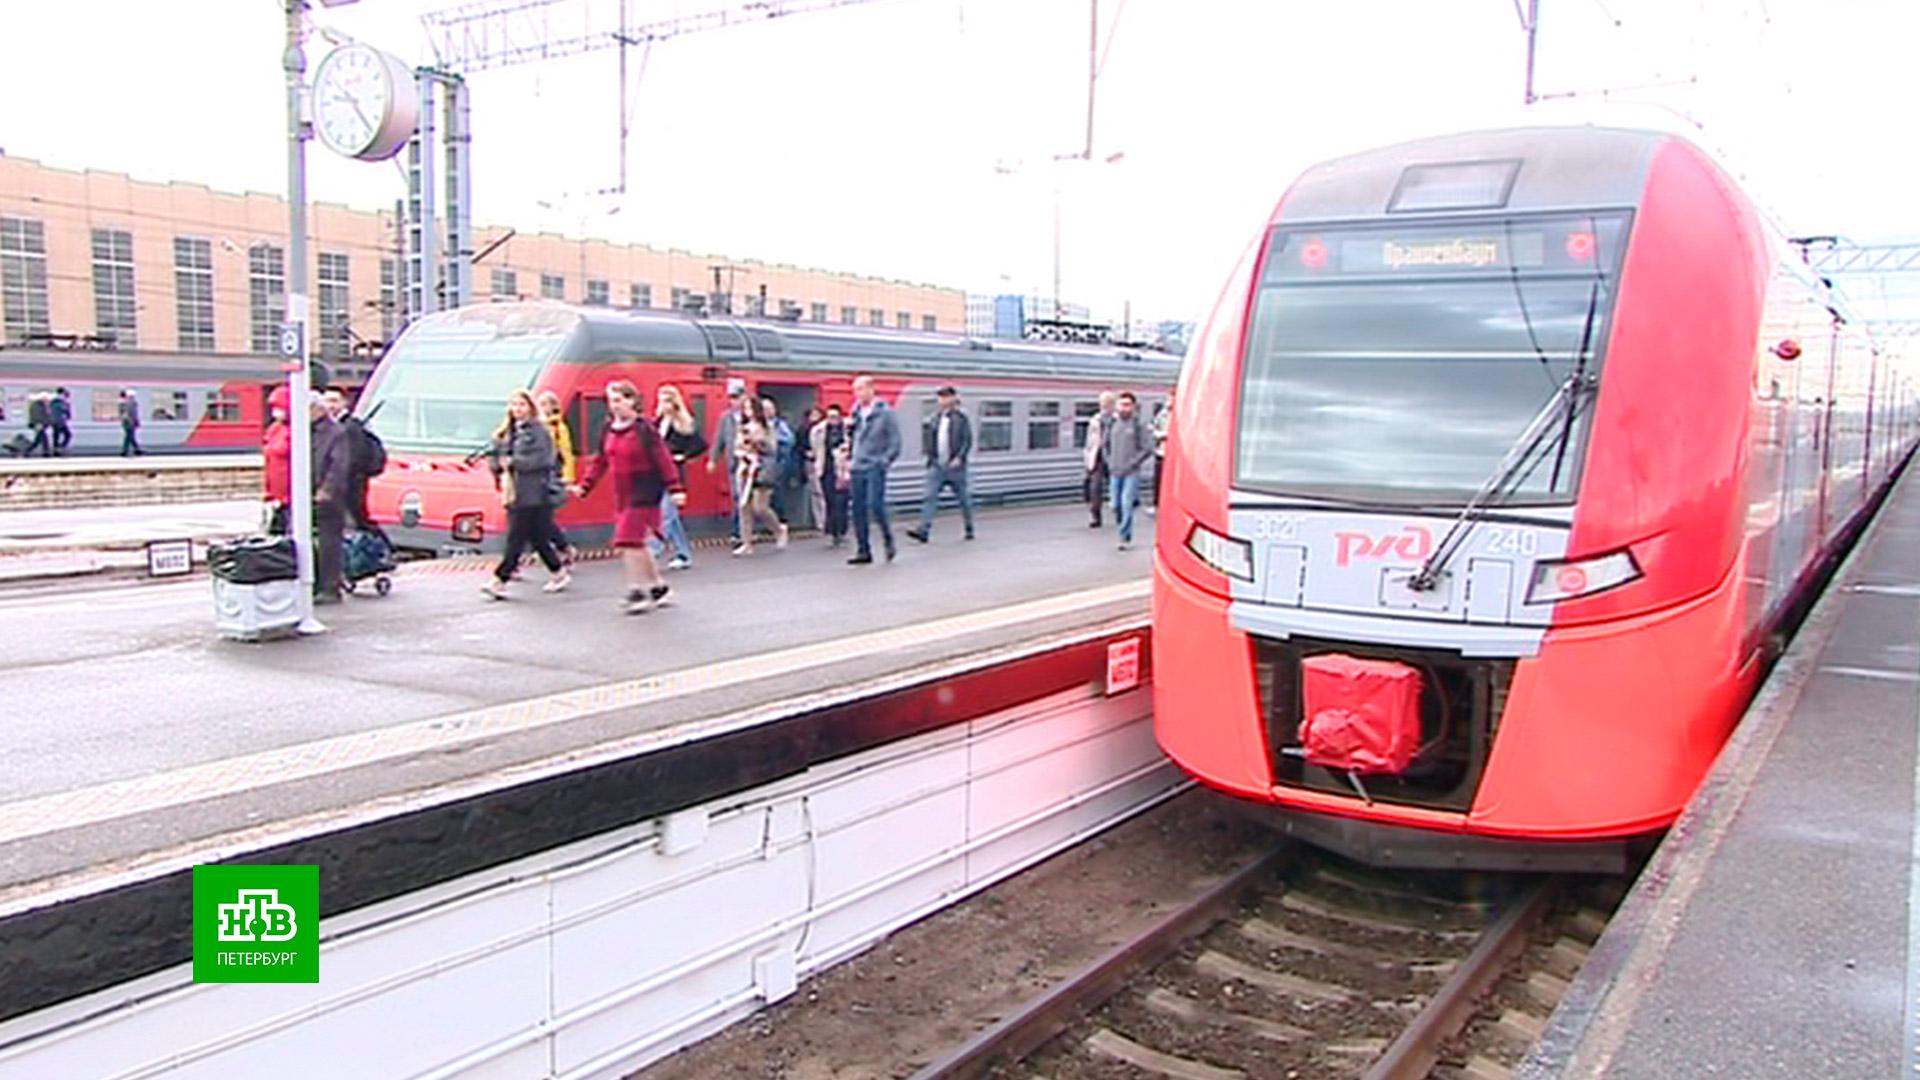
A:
[444,385]
[1400,363]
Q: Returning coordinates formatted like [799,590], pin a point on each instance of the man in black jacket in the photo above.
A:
[947,439]
[332,498]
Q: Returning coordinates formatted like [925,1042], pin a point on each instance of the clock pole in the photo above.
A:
[299,388]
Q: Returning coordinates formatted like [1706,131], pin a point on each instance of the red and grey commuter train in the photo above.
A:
[1501,462]
[441,390]
[189,402]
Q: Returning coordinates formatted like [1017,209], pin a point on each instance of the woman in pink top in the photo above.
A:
[643,469]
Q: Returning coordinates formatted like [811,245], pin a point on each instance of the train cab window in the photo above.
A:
[222,407]
[170,405]
[996,426]
[1083,414]
[1043,425]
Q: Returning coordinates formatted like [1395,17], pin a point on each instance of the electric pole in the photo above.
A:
[296,344]
[1531,24]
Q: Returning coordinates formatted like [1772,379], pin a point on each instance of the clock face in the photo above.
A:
[363,103]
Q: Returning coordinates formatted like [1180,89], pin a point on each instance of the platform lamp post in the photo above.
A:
[363,104]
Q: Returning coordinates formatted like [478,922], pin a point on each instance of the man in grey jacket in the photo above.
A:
[876,443]
[1127,446]
[721,449]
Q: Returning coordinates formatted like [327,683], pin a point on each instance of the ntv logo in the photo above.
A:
[257,915]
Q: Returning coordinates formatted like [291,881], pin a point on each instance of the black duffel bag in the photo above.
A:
[254,560]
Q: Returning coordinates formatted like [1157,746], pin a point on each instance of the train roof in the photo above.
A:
[600,335]
[131,365]
[1515,170]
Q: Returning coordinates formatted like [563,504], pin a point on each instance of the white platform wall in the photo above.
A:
[596,958]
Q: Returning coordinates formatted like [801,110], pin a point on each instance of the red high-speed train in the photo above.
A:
[1499,465]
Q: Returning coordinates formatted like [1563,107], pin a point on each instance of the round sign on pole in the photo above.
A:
[365,102]
[290,340]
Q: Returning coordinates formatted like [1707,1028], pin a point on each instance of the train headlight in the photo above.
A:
[1565,579]
[1231,557]
[468,527]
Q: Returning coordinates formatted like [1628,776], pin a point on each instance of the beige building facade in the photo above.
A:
[101,259]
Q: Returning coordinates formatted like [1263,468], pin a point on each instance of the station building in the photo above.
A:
[102,260]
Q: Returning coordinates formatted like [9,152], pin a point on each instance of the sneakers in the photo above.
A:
[1126,545]
[637,602]
[891,552]
[969,535]
[558,581]
[780,540]
[743,549]
[495,589]
[679,562]
[861,559]
[918,534]
[658,594]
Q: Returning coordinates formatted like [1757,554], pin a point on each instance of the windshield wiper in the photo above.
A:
[1561,410]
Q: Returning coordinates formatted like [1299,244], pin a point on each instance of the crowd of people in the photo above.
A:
[50,425]
[838,461]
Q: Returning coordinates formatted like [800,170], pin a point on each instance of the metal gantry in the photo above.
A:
[1836,256]
[502,33]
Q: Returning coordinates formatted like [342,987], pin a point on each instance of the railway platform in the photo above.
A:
[507,800]
[1776,933]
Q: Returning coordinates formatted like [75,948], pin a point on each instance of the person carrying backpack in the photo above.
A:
[40,421]
[369,459]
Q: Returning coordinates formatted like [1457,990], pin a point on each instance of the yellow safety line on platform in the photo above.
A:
[98,803]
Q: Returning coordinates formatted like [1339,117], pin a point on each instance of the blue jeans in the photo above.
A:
[1126,496]
[938,479]
[673,530]
[870,498]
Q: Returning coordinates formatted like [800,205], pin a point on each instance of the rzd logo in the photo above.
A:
[257,916]
[1411,544]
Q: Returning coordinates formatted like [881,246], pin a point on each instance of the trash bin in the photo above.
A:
[256,587]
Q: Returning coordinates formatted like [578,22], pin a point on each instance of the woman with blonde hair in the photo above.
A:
[522,461]
[556,421]
[643,471]
[753,449]
[685,443]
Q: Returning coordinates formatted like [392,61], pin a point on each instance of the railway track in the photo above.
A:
[1296,967]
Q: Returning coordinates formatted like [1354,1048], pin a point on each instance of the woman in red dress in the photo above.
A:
[642,467]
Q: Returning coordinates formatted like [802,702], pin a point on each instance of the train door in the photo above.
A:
[709,494]
[794,399]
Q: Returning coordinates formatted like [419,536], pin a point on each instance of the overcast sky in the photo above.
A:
[914,138]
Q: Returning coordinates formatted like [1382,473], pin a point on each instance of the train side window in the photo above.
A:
[1083,414]
[106,406]
[698,403]
[576,424]
[596,422]
[1043,425]
[996,426]
[222,407]
[170,405]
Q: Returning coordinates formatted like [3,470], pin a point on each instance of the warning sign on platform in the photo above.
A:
[1123,665]
[168,558]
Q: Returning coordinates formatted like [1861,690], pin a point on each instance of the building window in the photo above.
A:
[193,292]
[506,285]
[1043,425]
[598,293]
[640,296]
[389,299]
[113,299]
[681,295]
[903,320]
[266,296]
[553,286]
[332,334]
[790,310]
[996,425]
[929,323]
[169,405]
[819,312]
[23,278]
[876,317]
[1083,414]
[222,407]
[849,315]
